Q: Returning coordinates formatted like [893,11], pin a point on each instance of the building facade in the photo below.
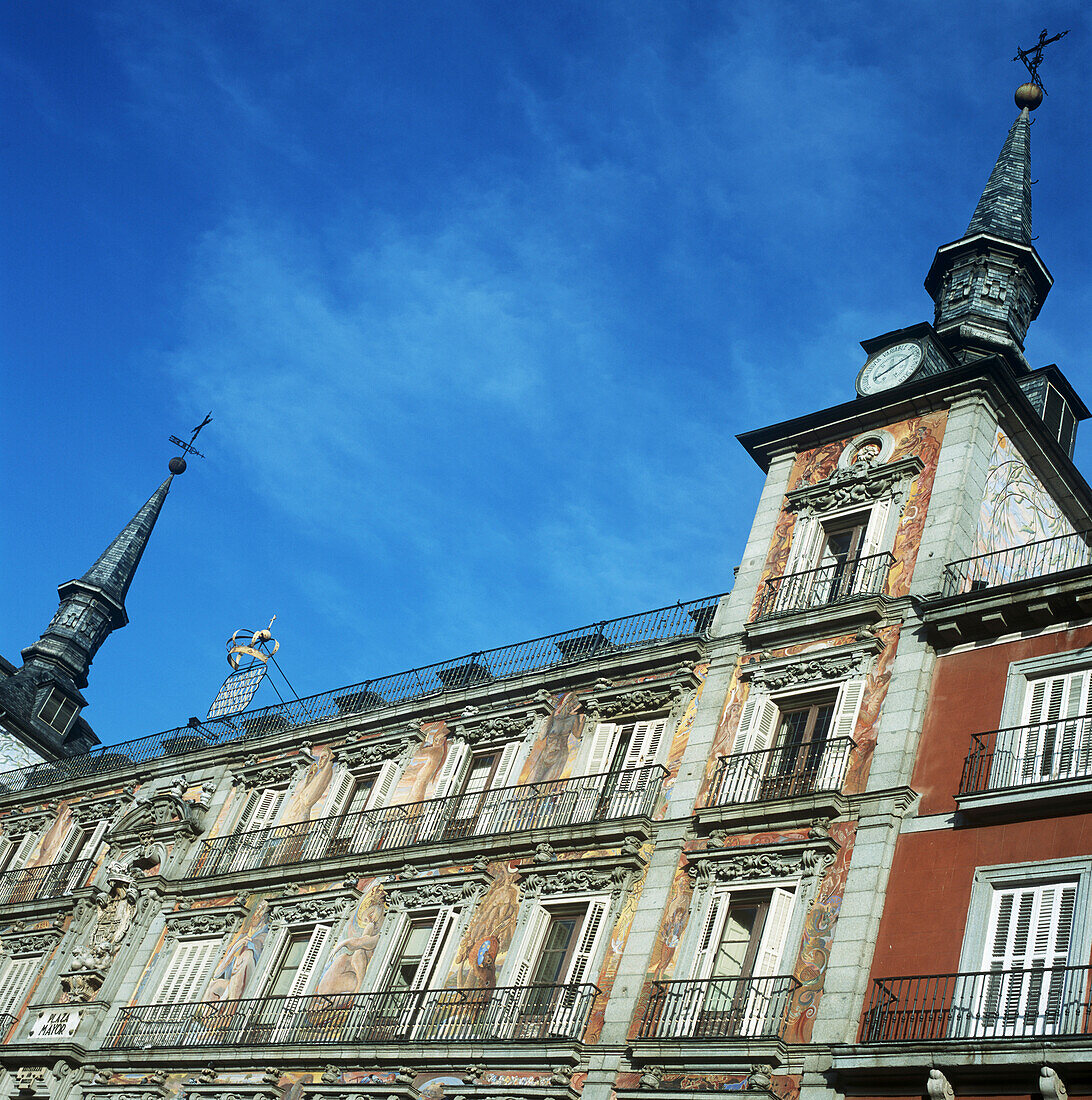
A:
[822,835]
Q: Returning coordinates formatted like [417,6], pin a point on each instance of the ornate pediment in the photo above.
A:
[324,905]
[791,860]
[18,939]
[33,821]
[254,773]
[413,890]
[212,920]
[815,666]
[861,483]
[609,700]
[483,726]
[362,752]
[164,814]
[91,811]
[613,874]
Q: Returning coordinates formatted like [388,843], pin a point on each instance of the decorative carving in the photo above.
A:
[938,1087]
[580,878]
[760,1077]
[270,775]
[857,483]
[163,814]
[561,1076]
[91,811]
[418,893]
[19,825]
[505,727]
[637,701]
[364,755]
[798,859]
[837,665]
[651,1078]
[212,921]
[1051,1086]
[311,908]
[20,940]
[545,852]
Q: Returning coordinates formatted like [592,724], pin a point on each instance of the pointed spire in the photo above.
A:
[1004,210]
[116,566]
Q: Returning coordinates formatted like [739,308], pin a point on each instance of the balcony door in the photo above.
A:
[735,986]
[1055,736]
[286,1014]
[1024,988]
[619,759]
[404,1008]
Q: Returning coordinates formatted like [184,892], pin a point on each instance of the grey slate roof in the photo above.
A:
[1005,206]
[117,564]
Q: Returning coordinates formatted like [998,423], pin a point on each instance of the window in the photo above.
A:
[187,971]
[58,711]
[465,777]
[618,761]
[1055,738]
[357,831]
[16,978]
[789,745]
[295,953]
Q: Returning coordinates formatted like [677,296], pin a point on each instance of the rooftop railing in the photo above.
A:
[48,881]
[835,583]
[717,1008]
[505,1014]
[540,806]
[571,647]
[1017,563]
[996,1004]
[1026,756]
[788,771]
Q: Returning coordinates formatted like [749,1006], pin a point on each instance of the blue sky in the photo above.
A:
[479,294]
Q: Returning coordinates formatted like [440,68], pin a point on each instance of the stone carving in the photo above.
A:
[421,893]
[309,908]
[90,812]
[578,879]
[544,852]
[164,814]
[475,1075]
[859,483]
[272,775]
[202,922]
[502,728]
[938,1087]
[637,701]
[19,825]
[1051,1086]
[783,861]
[760,1077]
[561,1076]
[836,665]
[651,1078]
[20,940]
[116,912]
[364,756]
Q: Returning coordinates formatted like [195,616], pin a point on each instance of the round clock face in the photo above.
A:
[889,367]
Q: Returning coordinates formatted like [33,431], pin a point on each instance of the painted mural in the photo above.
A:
[14,754]
[484,946]
[1016,508]
[348,965]
[554,751]
[419,777]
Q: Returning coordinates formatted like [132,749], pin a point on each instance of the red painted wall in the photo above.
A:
[965,699]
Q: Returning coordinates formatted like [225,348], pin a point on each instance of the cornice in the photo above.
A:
[486,725]
[32,821]
[18,939]
[611,700]
[254,772]
[861,483]
[361,752]
[90,811]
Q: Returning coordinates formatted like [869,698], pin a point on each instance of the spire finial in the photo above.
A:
[177,465]
[1030,95]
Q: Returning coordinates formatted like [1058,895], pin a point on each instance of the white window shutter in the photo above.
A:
[6,849]
[807,533]
[73,841]
[850,696]
[601,749]
[309,962]
[341,791]
[644,748]
[533,935]
[502,777]
[757,723]
[433,947]
[592,930]
[24,851]
[491,814]
[712,928]
[186,970]
[16,978]
[261,810]
[451,771]
[773,933]
[876,529]
[383,785]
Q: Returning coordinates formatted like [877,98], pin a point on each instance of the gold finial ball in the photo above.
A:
[1029,95]
[177,465]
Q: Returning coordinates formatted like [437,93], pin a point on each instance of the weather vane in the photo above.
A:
[177,465]
[1033,57]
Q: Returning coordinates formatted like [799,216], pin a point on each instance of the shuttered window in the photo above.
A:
[1055,739]
[187,971]
[16,978]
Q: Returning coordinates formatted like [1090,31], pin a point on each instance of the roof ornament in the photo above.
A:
[177,465]
[1030,95]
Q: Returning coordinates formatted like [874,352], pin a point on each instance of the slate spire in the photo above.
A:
[94,605]
[990,284]
[1005,206]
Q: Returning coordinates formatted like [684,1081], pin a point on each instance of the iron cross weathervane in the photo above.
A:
[1033,57]
[177,465]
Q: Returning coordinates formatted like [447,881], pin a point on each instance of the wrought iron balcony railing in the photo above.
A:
[1027,756]
[787,771]
[717,1008]
[49,881]
[831,584]
[996,1004]
[506,1014]
[1017,563]
[7,1022]
[585,643]
[539,806]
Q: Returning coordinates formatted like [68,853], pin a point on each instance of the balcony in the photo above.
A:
[603,641]
[1018,563]
[830,592]
[7,1022]
[1050,759]
[582,801]
[529,1013]
[54,880]
[717,1009]
[795,771]
[1001,1004]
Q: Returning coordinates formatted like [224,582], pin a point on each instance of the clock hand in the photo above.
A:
[893,366]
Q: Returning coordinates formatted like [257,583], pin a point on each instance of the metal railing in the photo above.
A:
[550,805]
[717,1008]
[1017,563]
[996,1004]
[49,881]
[787,771]
[508,1013]
[1026,756]
[601,639]
[830,584]
[7,1022]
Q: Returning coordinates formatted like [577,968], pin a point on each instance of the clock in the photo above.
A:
[890,367]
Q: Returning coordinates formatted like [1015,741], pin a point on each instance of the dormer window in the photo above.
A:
[58,711]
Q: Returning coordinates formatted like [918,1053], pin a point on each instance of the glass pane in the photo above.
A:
[289,964]
[556,946]
[741,929]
